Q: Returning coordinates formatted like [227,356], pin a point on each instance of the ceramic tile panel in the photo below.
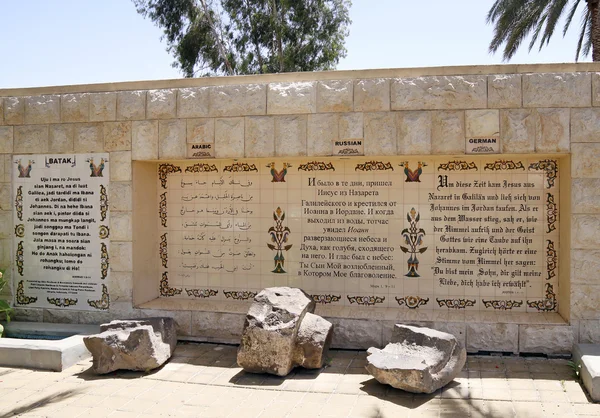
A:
[62,234]
[436,233]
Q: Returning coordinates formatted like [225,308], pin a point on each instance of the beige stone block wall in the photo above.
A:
[447,132]
[259,136]
[482,123]
[414,130]
[335,96]
[103,106]
[161,104]
[5,196]
[144,140]
[504,91]
[372,95]
[14,110]
[6,139]
[380,133]
[131,105]
[546,340]
[6,203]
[545,109]
[291,98]
[517,131]
[171,139]
[75,107]
[60,138]
[120,166]
[492,337]
[42,109]
[201,130]
[88,137]
[6,228]
[119,198]
[290,135]
[229,137]
[351,126]
[30,139]
[446,92]
[66,124]
[240,100]
[117,136]
[557,90]
[218,326]
[193,102]
[322,131]
[585,219]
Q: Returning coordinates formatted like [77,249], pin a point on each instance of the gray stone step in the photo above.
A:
[45,354]
[588,357]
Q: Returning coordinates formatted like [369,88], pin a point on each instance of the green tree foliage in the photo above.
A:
[229,37]
[515,20]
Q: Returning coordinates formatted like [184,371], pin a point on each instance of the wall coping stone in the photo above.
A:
[306,76]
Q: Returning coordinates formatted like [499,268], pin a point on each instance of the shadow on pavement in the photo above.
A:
[47,400]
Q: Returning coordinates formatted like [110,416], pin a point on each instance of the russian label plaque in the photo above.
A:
[348,147]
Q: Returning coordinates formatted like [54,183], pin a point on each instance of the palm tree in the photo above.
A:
[514,20]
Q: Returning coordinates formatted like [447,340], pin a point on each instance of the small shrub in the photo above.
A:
[5,309]
[576,368]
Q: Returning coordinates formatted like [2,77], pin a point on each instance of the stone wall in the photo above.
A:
[545,109]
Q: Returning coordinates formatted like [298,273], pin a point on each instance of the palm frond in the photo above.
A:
[514,20]
[502,14]
[569,18]
[526,23]
[517,20]
[554,11]
[537,32]
[586,31]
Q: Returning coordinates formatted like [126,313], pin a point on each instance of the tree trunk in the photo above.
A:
[255,38]
[218,39]
[277,25]
[593,6]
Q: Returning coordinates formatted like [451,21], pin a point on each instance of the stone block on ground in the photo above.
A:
[419,360]
[314,339]
[137,344]
[280,333]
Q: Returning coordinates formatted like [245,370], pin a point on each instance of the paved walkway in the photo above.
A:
[203,380]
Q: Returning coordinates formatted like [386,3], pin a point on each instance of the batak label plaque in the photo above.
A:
[62,231]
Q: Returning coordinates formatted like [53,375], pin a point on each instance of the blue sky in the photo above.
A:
[56,42]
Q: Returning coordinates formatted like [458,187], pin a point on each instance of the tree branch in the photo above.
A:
[218,38]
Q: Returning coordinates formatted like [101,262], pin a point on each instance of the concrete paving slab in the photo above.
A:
[341,391]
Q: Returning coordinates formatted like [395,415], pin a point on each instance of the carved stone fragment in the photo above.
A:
[280,333]
[143,344]
[422,360]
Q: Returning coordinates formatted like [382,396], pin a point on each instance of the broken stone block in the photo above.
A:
[314,339]
[421,360]
[276,338]
[270,330]
[143,344]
